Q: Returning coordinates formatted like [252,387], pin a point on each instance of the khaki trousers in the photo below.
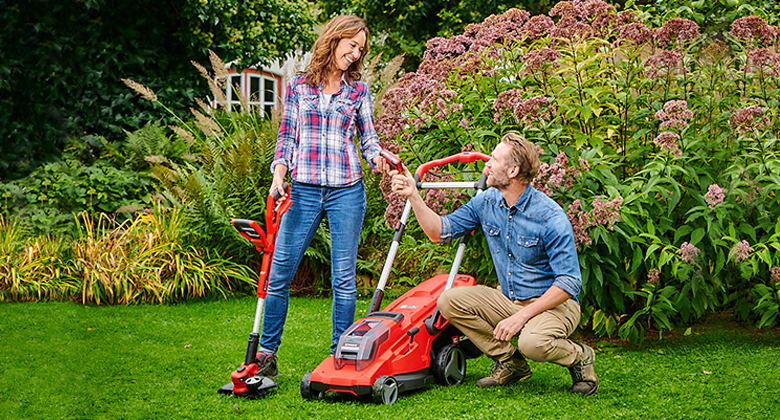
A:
[475,311]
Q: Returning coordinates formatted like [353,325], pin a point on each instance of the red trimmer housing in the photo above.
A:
[244,380]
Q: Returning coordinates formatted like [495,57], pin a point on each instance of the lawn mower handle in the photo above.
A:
[463,157]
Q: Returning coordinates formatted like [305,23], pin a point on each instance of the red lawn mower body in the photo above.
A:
[408,344]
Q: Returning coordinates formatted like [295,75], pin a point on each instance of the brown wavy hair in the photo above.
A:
[324,49]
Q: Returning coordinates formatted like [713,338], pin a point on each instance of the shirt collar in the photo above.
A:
[525,198]
[342,86]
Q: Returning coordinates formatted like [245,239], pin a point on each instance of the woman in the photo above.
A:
[325,106]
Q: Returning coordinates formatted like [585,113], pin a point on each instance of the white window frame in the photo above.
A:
[262,103]
[257,103]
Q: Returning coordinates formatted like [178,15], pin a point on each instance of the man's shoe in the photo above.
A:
[503,373]
[266,365]
[583,375]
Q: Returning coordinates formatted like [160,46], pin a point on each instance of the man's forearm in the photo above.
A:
[429,221]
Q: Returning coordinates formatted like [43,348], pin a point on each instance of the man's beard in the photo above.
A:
[496,181]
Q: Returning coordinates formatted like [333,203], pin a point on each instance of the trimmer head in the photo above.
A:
[256,387]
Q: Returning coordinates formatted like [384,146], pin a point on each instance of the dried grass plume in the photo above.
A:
[140,89]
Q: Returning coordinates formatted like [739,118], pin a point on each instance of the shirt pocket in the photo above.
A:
[308,103]
[345,107]
[528,249]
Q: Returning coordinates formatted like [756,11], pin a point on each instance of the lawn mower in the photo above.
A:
[408,344]
[244,380]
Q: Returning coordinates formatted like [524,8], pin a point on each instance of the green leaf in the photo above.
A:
[696,236]
[720,261]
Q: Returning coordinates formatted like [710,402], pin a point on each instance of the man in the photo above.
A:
[532,245]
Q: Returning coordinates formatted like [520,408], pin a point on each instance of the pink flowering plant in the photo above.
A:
[659,142]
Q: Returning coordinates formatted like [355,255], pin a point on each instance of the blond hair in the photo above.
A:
[523,154]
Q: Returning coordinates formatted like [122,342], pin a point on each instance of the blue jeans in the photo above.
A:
[345,208]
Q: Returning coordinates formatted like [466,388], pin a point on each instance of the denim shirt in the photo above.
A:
[531,242]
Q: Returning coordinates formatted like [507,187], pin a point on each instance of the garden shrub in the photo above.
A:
[91,175]
[148,259]
[659,143]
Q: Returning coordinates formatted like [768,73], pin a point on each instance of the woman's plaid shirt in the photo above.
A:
[315,139]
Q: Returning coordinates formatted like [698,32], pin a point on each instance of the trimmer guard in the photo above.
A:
[257,387]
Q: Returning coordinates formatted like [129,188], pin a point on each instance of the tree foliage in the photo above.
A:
[63,60]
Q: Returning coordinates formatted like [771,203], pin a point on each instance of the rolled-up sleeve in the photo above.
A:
[287,138]
[562,252]
[569,285]
[461,221]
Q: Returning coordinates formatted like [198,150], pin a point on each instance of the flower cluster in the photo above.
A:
[764,60]
[428,94]
[526,110]
[636,33]
[754,29]
[444,48]
[774,274]
[569,25]
[537,27]
[668,141]
[688,253]
[740,251]
[653,276]
[715,195]
[604,213]
[505,29]
[665,64]
[748,119]
[559,174]
[580,19]
[674,115]
[580,223]
[541,59]
[676,32]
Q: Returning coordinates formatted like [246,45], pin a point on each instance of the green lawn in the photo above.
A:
[63,361]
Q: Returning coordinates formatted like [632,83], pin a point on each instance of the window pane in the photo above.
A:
[270,90]
[235,80]
[254,88]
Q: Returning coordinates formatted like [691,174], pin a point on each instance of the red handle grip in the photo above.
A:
[393,160]
[464,157]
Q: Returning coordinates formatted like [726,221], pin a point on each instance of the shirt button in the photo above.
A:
[507,236]
[510,255]
[510,216]
[510,273]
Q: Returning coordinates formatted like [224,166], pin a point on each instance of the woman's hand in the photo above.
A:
[381,164]
[277,184]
